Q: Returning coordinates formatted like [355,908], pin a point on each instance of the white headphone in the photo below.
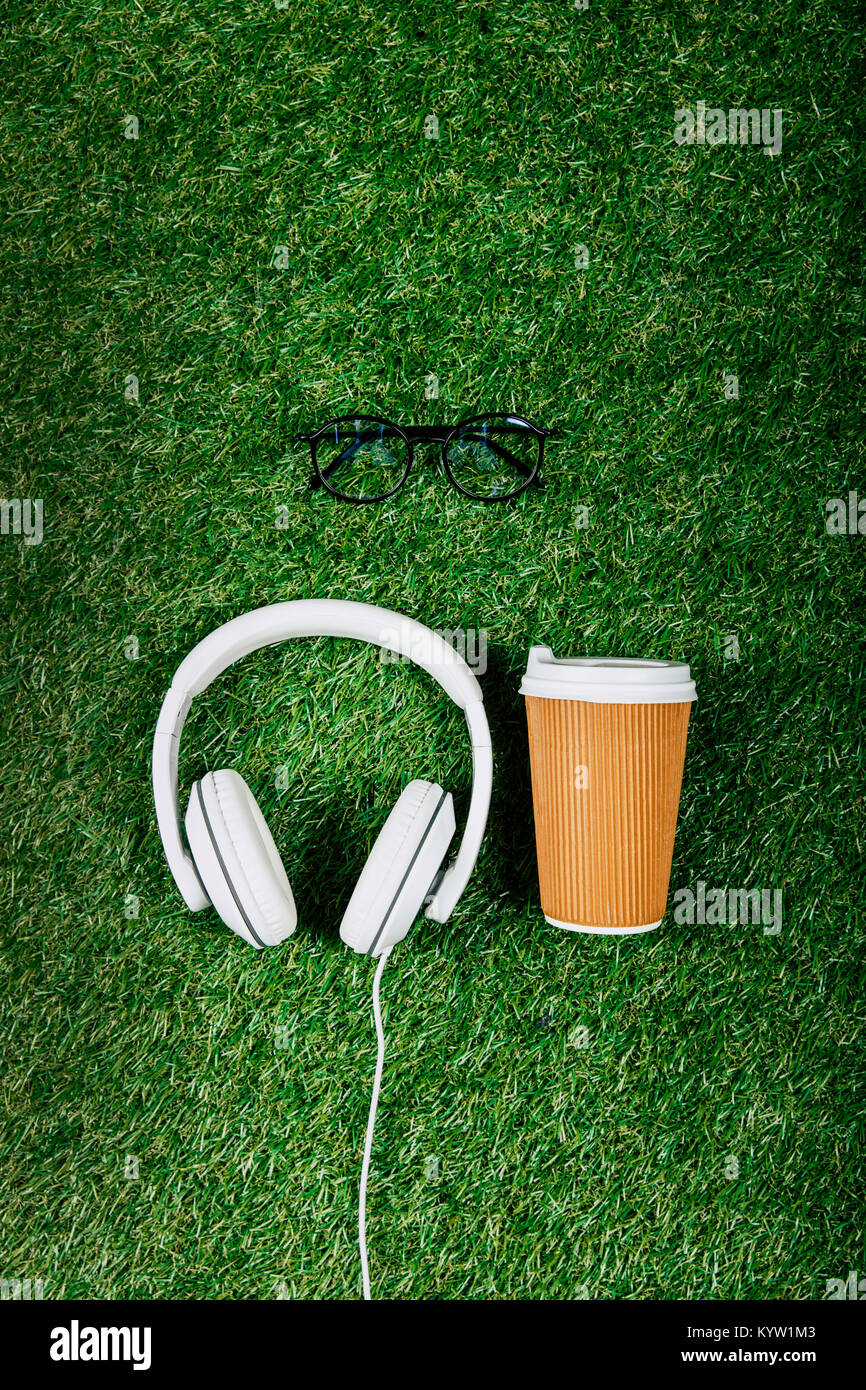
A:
[232,861]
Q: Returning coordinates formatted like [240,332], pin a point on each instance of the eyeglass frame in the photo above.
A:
[430,434]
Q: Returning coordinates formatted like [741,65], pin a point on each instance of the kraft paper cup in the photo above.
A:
[607,743]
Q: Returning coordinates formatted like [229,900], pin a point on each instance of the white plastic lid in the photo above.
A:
[606,680]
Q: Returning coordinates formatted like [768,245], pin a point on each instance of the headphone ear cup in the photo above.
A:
[237,860]
[399,873]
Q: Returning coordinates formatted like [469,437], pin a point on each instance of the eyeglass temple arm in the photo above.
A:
[501,452]
[418,433]
[347,453]
[326,472]
[498,449]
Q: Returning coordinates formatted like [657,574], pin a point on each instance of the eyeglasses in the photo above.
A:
[491,458]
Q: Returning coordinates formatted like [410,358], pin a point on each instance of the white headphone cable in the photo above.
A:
[368,1143]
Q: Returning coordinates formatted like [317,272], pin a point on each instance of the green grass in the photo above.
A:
[560,1166]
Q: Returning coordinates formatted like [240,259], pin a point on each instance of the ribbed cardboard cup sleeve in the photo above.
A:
[606,782]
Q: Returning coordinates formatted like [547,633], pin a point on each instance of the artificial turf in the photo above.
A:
[571,1163]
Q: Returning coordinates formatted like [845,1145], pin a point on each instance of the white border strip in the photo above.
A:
[603,931]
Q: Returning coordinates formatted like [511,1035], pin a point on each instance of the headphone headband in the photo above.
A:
[280,622]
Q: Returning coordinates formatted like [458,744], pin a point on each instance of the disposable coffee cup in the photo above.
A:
[607,744]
